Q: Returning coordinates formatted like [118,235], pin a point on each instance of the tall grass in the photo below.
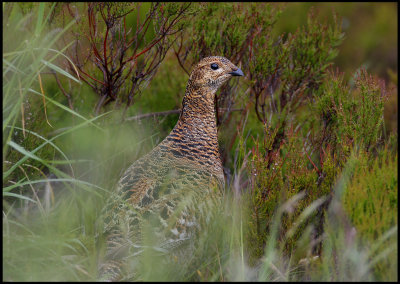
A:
[55,183]
[42,204]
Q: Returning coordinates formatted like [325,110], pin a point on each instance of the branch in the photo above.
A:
[154,114]
[162,113]
[309,158]
[179,59]
[84,73]
[68,96]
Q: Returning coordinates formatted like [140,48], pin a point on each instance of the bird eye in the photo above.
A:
[214,66]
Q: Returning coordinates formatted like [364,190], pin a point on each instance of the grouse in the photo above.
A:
[187,162]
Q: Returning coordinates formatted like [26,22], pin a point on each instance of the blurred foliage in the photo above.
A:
[310,153]
[372,204]
[370,28]
[371,36]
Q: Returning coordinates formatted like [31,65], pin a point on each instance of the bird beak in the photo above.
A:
[237,72]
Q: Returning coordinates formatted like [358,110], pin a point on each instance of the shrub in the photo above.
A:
[371,203]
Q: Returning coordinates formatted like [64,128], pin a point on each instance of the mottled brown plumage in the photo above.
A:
[185,164]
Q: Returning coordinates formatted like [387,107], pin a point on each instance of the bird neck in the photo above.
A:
[198,111]
[197,124]
[195,133]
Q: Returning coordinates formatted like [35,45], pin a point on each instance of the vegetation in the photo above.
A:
[309,151]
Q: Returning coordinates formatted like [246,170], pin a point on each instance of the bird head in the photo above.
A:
[211,72]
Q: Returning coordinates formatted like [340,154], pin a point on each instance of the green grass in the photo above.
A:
[371,203]
[60,165]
